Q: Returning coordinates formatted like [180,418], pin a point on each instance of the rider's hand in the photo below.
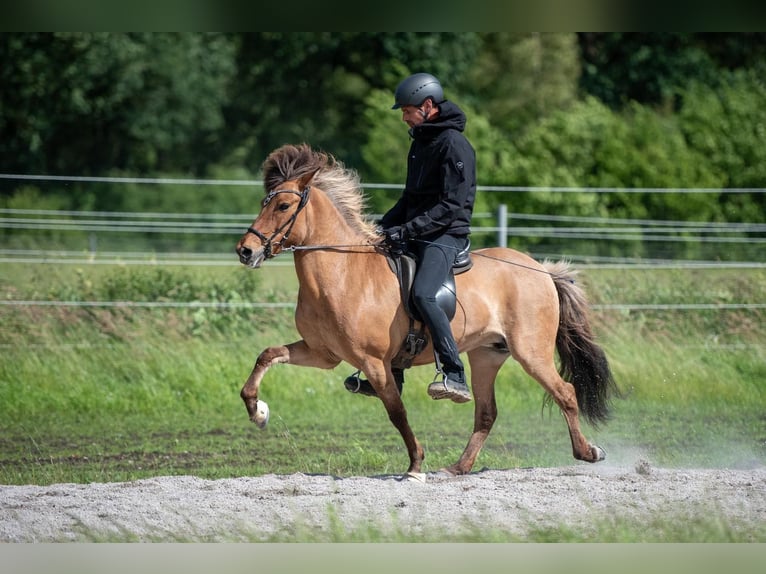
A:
[395,239]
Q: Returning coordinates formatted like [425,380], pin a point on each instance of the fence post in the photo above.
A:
[502,225]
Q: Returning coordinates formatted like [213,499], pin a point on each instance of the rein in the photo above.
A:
[329,247]
[294,248]
[268,251]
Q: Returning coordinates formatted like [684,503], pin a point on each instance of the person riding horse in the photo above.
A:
[510,306]
[432,217]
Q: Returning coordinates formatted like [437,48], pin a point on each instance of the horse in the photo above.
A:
[350,308]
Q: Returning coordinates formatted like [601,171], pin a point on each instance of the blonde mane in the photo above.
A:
[339,183]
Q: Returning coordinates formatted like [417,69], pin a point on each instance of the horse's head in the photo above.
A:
[271,230]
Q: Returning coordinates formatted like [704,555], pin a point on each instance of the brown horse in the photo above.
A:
[350,308]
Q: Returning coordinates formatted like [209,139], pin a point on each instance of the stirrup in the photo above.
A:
[449,389]
[356,384]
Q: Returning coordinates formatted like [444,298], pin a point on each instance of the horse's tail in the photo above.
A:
[582,362]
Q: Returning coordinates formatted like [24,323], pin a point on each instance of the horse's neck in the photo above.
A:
[332,256]
[327,271]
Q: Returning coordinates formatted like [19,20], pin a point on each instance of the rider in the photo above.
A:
[432,217]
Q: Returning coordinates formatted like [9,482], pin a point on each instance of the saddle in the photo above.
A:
[404,267]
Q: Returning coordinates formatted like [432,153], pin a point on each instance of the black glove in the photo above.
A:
[396,239]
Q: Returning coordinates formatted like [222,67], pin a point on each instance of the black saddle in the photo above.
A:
[405,267]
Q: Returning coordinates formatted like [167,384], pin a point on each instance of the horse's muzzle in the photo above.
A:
[252,259]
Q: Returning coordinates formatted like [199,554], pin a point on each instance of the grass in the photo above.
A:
[92,394]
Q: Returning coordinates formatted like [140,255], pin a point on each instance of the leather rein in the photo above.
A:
[268,246]
[268,251]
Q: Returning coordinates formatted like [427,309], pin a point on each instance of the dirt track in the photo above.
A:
[259,508]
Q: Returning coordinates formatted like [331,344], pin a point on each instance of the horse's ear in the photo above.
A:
[306,180]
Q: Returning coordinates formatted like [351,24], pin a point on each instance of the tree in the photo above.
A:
[520,78]
[643,67]
[726,126]
[313,87]
[90,103]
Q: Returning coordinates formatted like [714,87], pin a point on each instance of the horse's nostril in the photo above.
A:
[245,253]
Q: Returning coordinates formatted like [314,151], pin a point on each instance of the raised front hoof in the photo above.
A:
[261,415]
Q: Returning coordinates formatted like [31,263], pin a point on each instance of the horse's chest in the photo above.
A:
[318,316]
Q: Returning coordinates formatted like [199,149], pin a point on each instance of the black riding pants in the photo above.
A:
[435,259]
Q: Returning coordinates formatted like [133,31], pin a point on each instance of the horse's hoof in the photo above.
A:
[599,453]
[444,474]
[261,416]
[415,477]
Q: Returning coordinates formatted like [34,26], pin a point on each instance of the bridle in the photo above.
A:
[268,246]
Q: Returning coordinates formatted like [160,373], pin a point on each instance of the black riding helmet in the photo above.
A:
[415,89]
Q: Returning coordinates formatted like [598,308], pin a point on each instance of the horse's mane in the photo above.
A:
[340,184]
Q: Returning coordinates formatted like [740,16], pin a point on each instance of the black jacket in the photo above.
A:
[441,179]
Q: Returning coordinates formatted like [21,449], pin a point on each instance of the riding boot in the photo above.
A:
[355,384]
[453,385]
[436,259]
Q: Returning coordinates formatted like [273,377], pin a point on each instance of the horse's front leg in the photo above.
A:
[384,383]
[298,353]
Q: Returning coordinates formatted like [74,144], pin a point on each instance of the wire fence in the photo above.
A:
[579,234]
[546,226]
[549,231]
[574,237]
[258,182]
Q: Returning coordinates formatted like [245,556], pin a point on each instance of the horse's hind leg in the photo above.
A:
[485,364]
[543,370]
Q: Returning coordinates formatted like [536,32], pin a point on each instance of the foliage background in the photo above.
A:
[545,109]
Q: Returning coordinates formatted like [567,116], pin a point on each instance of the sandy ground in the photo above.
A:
[186,508]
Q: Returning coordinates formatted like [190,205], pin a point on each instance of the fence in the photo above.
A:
[589,239]
[145,238]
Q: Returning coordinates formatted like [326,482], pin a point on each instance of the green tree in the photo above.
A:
[313,87]
[644,67]
[590,145]
[520,78]
[726,126]
[90,103]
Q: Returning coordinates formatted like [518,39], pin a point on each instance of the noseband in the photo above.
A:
[268,247]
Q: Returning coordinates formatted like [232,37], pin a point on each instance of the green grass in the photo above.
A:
[93,394]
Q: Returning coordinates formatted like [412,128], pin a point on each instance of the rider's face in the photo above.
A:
[413,115]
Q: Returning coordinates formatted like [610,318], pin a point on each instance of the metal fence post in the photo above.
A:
[502,225]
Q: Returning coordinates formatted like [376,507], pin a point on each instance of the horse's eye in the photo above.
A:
[283,206]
